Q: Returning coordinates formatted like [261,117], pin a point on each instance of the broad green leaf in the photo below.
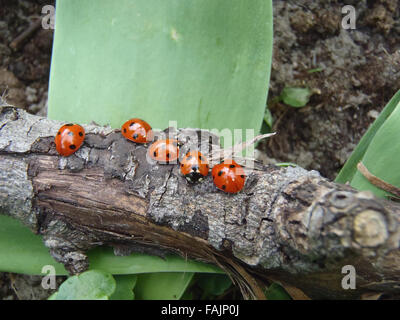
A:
[89,285]
[213,284]
[296,97]
[21,251]
[124,289]
[162,286]
[104,259]
[350,167]
[381,157]
[276,292]
[53,296]
[205,64]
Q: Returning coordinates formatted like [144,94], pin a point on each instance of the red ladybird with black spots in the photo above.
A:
[194,166]
[137,130]
[69,139]
[164,151]
[229,176]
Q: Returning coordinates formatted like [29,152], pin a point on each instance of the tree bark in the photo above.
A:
[287,224]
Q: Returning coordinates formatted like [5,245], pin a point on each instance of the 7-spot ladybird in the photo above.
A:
[69,139]
[137,130]
[194,166]
[228,176]
[164,151]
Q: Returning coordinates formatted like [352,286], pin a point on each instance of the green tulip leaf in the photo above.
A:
[136,263]
[162,286]
[21,251]
[125,285]
[378,151]
[204,64]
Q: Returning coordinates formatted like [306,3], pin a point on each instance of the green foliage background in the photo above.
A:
[205,64]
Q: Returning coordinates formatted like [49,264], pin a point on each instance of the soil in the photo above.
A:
[352,73]
[24,287]
[24,73]
[358,73]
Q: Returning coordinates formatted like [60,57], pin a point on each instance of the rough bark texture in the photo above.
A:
[288,224]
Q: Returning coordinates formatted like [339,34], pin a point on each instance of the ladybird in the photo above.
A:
[194,166]
[137,130]
[228,176]
[164,151]
[69,139]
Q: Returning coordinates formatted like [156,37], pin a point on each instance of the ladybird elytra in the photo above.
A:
[69,139]
[228,176]
[137,130]
[164,151]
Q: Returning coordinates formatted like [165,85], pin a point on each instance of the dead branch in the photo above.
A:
[288,224]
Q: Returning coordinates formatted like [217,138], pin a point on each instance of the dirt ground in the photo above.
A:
[353,74]
[360,72]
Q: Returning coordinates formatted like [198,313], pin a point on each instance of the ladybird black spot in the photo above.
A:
[232,166]
[201,158]
[135,136]
[155,153]
[242,176]
[132,123]
[59,133]
[181,164]
[124,130]
[223,186]
[69,124]
[80,134]
[195,168]
[168,155]
[72,147]
[220,173]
